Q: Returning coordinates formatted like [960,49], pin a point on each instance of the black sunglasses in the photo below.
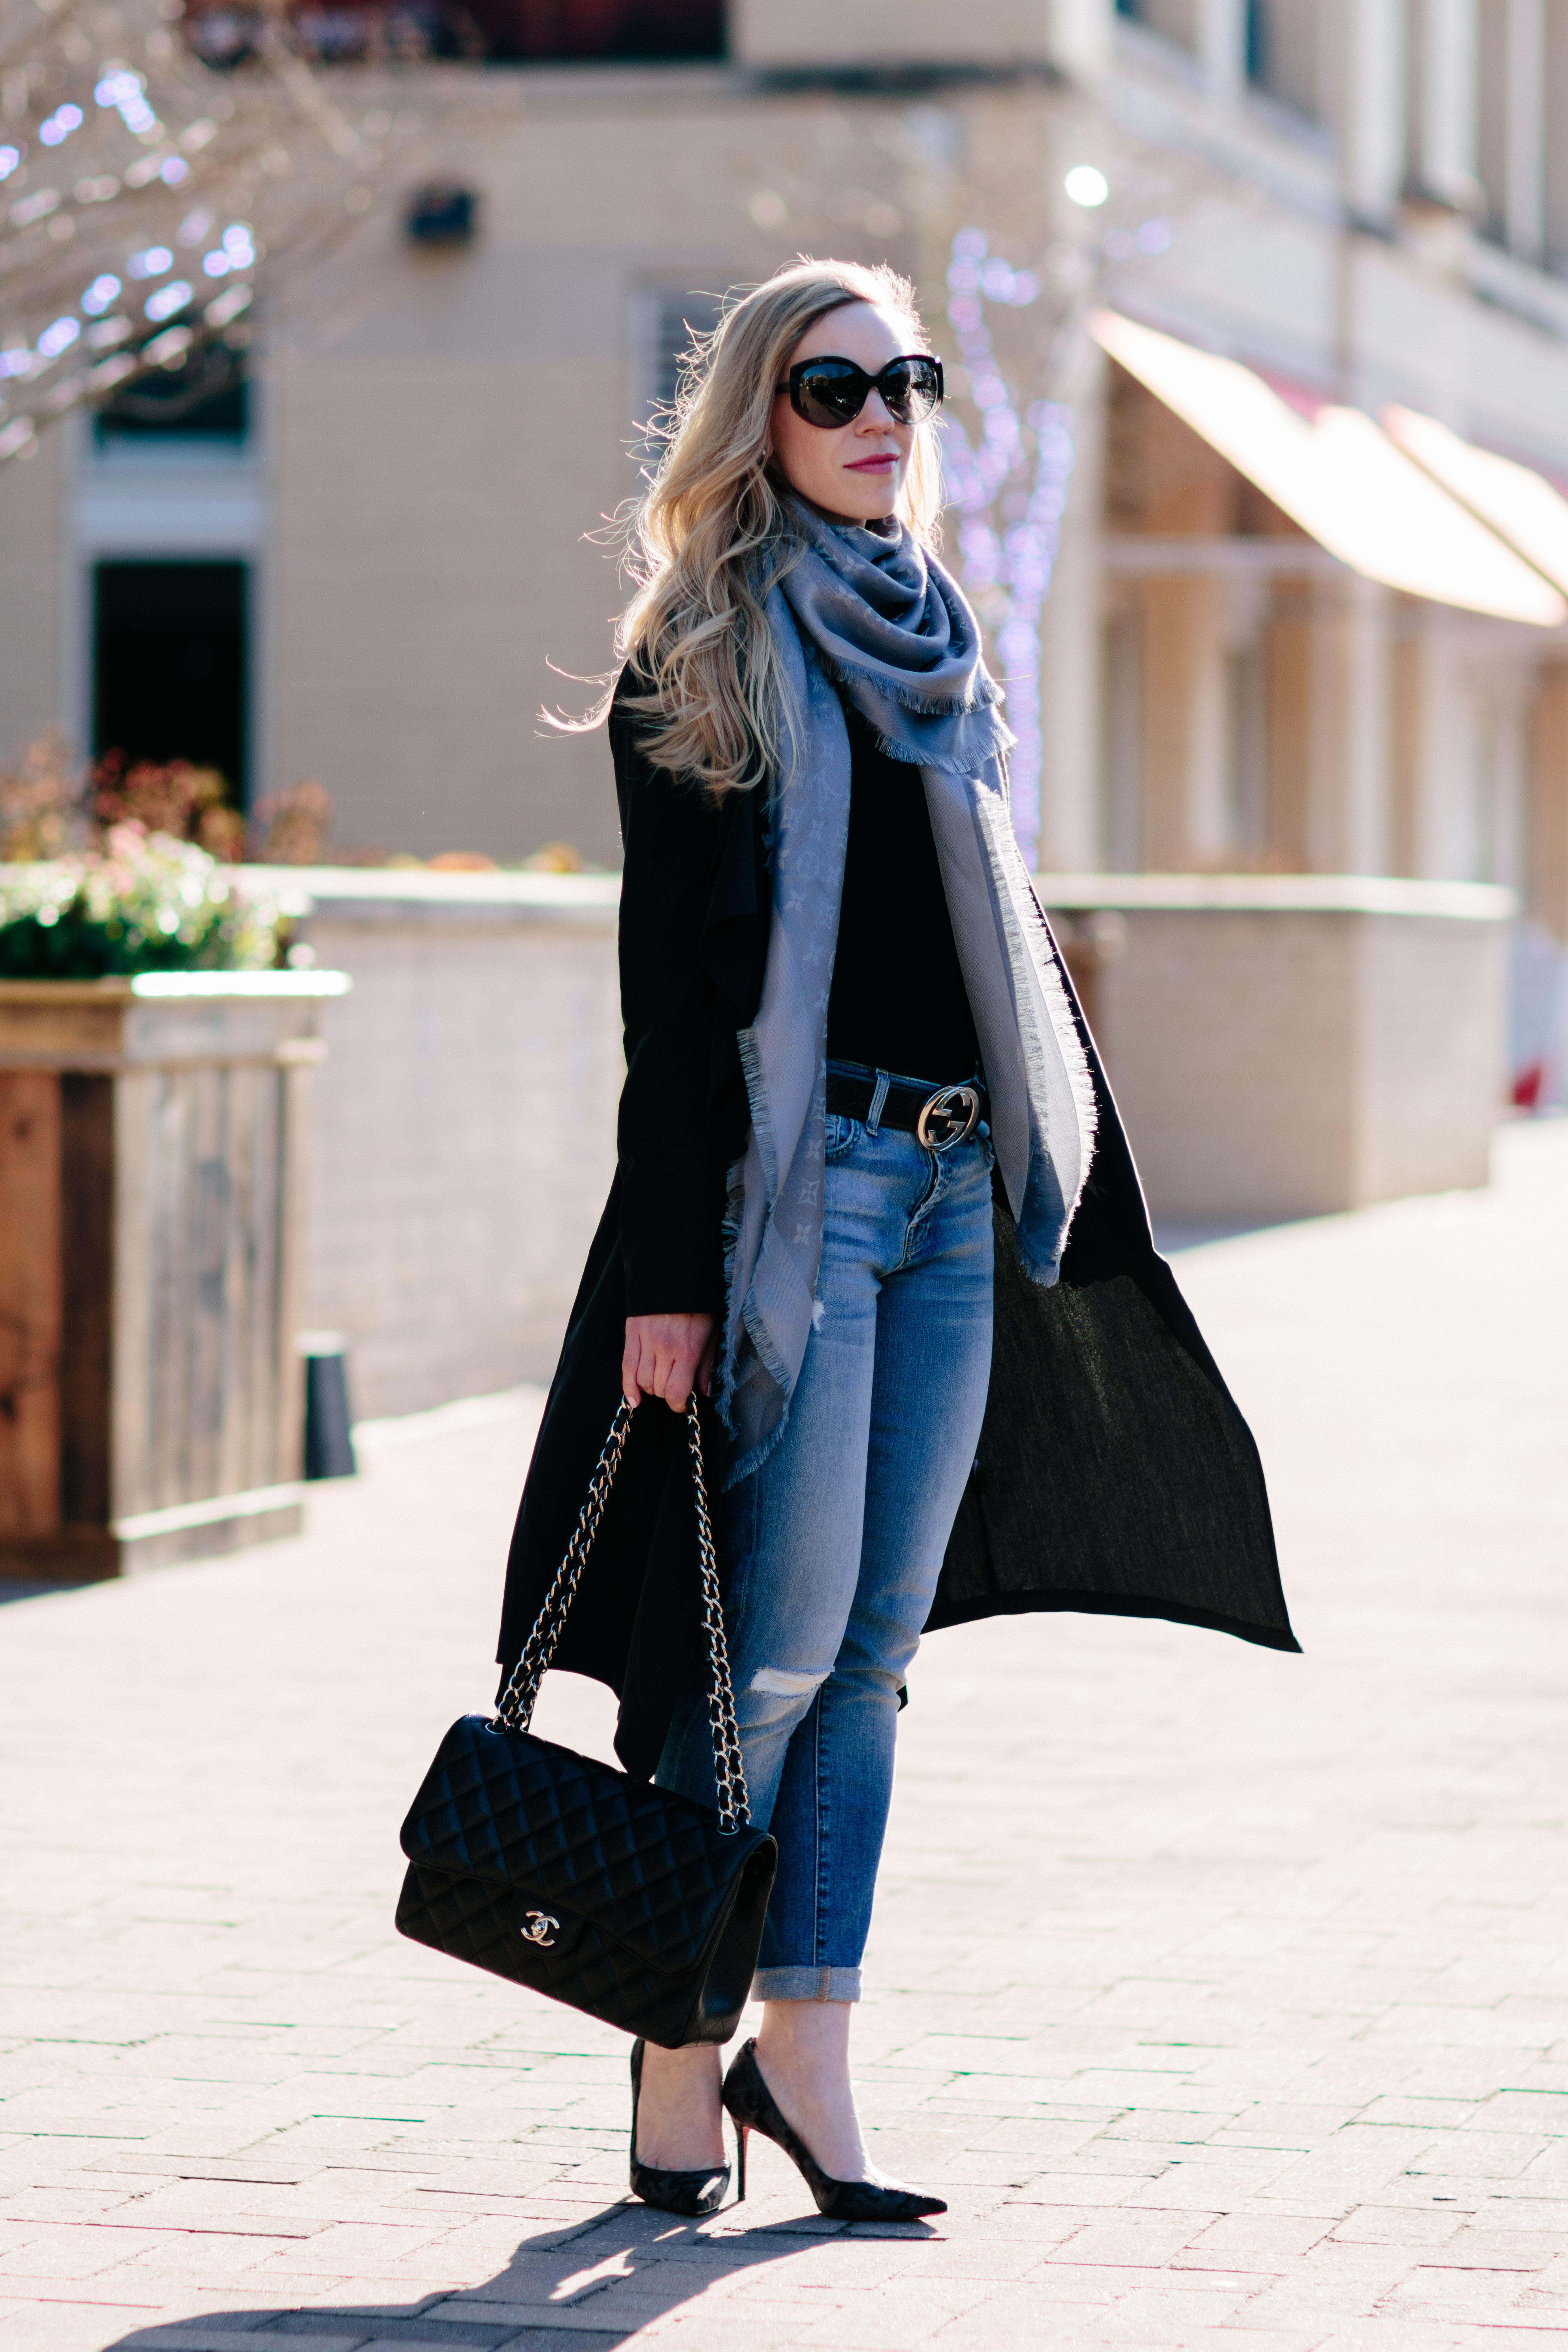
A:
[830,392]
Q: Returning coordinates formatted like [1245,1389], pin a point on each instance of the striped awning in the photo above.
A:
[1374,498]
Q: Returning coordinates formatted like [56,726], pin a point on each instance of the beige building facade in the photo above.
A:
[1360,203]
[1359,199]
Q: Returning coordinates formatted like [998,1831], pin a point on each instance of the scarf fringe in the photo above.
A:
[887,687]
[757,1103]
[741,1464]
[729,1232]
[909,755]
[1070,1043]
[741,1320]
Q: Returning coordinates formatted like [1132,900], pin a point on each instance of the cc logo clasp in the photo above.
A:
[539,1928]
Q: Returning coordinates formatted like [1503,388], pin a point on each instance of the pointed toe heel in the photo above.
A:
[753,2108]
[691,2194]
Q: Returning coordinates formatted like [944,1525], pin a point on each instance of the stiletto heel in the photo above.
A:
[753,2109]
[741,2133]
[691,2193]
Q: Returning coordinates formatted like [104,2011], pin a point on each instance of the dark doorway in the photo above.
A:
[169,665]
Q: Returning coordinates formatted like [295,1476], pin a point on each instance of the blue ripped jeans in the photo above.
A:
[833,1546]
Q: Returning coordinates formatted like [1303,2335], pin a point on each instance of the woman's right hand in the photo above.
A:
[667,1355]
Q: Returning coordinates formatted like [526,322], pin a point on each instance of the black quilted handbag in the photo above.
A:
[638,1906]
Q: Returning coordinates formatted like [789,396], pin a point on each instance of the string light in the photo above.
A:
[167,301]
[159,153]
[60,124]
[1011,491]
[1006,544]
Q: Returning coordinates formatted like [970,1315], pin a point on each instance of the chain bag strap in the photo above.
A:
[638,1906]
[521,1694]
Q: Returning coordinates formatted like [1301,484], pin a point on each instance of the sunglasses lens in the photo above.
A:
[833,393]
[910,389]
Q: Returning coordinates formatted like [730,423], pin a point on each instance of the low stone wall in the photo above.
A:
[1286,1046]
[1280,1045]
[461,1135]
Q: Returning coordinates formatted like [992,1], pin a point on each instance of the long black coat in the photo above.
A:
[1114,1472]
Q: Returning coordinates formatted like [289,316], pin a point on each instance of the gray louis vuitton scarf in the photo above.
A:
[875,618]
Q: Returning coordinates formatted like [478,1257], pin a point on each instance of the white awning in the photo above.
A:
[1341,477]
[1520,505]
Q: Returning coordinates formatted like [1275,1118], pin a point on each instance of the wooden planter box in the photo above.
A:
[149,1398]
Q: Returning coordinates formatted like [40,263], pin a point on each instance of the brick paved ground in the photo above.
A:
[1224,1994]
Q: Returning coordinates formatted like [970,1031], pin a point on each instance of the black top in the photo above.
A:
[898,1000]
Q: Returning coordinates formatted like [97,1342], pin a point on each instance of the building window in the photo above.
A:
[676,319]
[1173,20]
[1282,61]
[1492,110]
[556,31]
[505,32]
[169,661]
[1256,40]
[204,399]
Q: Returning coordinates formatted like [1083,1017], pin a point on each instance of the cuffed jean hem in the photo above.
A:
[806,1984]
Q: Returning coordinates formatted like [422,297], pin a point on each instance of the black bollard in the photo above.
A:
[328,1428]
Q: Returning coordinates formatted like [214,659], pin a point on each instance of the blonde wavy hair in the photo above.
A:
[711,534]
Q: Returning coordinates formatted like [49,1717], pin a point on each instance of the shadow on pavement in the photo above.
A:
[633,2263]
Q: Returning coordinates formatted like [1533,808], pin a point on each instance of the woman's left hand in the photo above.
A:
[666,1355]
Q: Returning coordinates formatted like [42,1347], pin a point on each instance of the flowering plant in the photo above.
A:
[42,805]
[176,798]
[48,807]
[139,902]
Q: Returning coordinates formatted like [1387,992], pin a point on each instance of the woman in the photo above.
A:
[843,1010]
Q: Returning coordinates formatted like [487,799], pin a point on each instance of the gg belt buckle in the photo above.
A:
[947,1118]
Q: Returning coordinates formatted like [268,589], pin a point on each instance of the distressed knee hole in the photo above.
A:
[776,1681]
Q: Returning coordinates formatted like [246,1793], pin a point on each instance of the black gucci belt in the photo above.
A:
[936,1117]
